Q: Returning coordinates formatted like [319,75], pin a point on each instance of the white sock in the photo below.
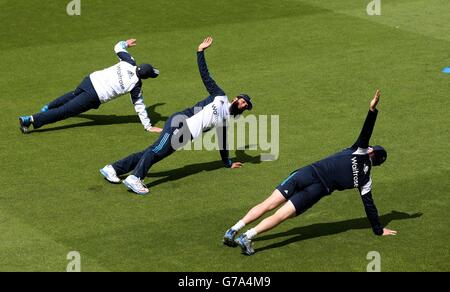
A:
[238,226]
[251,233]
[32,119]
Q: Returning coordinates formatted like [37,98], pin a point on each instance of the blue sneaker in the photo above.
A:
[44,108]
[245,244]
[25,123]
[229,238]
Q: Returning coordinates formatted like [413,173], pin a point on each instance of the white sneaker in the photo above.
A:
[136,185]
[110,174]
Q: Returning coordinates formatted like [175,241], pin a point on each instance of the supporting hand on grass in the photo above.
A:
[154,130]
[236,165]
[389,232]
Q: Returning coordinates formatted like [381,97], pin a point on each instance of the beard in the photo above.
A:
[234,109]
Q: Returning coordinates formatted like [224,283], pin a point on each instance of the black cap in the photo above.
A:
[248,99]
[146,71]
[380,155]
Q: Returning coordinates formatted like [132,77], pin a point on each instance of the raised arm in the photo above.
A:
[208,81]
[121,51]
[369,124]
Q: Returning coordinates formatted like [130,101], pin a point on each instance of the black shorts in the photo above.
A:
[303,188]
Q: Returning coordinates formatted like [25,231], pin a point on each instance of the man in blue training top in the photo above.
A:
[98,88]
[182,127]
[347,169]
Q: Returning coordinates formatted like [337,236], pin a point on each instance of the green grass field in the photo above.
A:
[316,64]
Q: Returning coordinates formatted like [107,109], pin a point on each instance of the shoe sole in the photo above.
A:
[227,242]
[244,249]
[23,128]
[106,177]
[131,188]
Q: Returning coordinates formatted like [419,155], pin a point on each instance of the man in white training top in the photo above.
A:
[98,88]
[211,113]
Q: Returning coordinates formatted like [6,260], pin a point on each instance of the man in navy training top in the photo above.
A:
[98,88]
[347,169]
[182,127]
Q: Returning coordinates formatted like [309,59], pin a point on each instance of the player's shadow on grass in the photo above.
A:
[326,229]
[192,169]
[102,120]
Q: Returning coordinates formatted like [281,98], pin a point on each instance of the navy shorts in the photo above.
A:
[303,188]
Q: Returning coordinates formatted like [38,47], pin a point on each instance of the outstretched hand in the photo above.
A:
[131,42]
[375,100]
[205,44]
